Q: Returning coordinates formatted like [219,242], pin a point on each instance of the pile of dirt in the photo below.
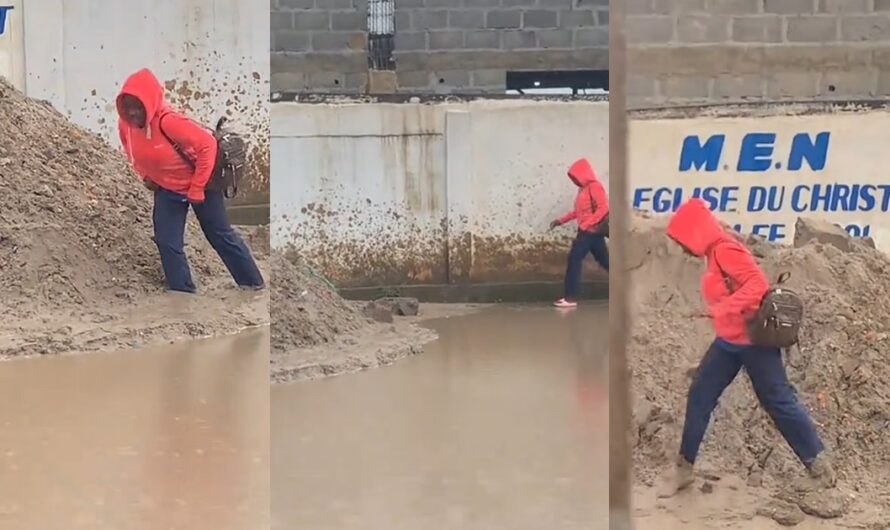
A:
[306,309]
[317,333]
[840,371]
[75,225]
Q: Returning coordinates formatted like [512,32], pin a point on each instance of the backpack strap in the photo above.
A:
[176,147]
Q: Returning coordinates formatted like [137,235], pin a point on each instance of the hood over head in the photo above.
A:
[581,173]
[695,228]
[144,86]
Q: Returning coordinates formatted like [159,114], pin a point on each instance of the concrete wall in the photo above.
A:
[761,168]
[440,45]
[12,54]
[212,55]
[693,51]
[449,193]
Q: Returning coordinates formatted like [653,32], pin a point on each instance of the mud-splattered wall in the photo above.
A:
[212,55]
[438,193]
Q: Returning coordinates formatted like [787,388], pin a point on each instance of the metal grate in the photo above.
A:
[381,34]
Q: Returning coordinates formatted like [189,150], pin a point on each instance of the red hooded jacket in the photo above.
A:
[696,229]
[151,155]
[591,203]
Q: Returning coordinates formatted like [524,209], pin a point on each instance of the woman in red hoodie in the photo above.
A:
[733,287]
[592,214]
[175,158]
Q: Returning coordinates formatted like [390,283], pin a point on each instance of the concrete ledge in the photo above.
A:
[479,293]
[248,214]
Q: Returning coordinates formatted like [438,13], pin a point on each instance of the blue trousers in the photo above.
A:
[584,244]
[169,216]
[717,370]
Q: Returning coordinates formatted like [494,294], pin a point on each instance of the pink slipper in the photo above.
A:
[563,303]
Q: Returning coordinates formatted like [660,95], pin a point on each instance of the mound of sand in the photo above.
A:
[840,371]
[75,225]
[306,310]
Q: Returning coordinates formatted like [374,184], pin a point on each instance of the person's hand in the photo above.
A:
[554,223]
[195,196]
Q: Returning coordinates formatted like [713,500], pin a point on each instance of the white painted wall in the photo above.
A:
[386,189]
[213,56]
[856,164]
[12,51]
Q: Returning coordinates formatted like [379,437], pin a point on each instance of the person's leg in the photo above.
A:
[600,250]
[227,243]
[716,371]
[575,260]
[770,382]
[168,217]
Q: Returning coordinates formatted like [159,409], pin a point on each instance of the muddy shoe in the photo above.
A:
[821,476]
[679,478]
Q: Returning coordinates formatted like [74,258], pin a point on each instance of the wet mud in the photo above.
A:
[501,423]
[174,437]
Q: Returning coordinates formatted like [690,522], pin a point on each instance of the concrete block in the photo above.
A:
[649,29]
[488,78]
[503,19]
[735,7]
[859,83]
[289,82]
[409,4]
[817,28]
[466,19]
[334,4]
[480,3]
[451,79]
[477,40]
[882,88]
[338,41]
[410,40]
[520,40]
[281,20]
[296,4]
[694,87]
[845,6]
[602,17]
[519,3]
[446,40]
[565,4]
[871,28]
[882,5]
[638,7]
[358,83]
[290,41]
[348,21]
[327,80]
[403,21]
[382,82]
[642,85]
[576,18]
[535,59]
[679,7]
[703,28]
[413,78]
[748,86]
[591,38]
[809,230]
[312,20]
[378,312]
[555,38]
[348,61]
[540,18]
[790,7]
[766,28]
[440,4]
[591,3]
[427,20]
[792,84]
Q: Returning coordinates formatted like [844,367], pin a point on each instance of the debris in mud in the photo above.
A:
[400,305]
[782,512]
[317,333]
[840,370]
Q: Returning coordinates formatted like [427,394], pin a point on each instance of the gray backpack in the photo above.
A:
[776,324]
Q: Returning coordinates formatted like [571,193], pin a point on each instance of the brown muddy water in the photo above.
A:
[173,437]
[501,423]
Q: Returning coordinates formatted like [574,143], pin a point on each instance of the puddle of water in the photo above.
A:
[502,423]
[165,438]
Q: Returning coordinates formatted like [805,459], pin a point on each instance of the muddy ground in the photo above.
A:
[316,333]
[840,372]
[78,268]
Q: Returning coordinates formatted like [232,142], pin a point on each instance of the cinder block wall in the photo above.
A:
[441,46]
[694,51]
